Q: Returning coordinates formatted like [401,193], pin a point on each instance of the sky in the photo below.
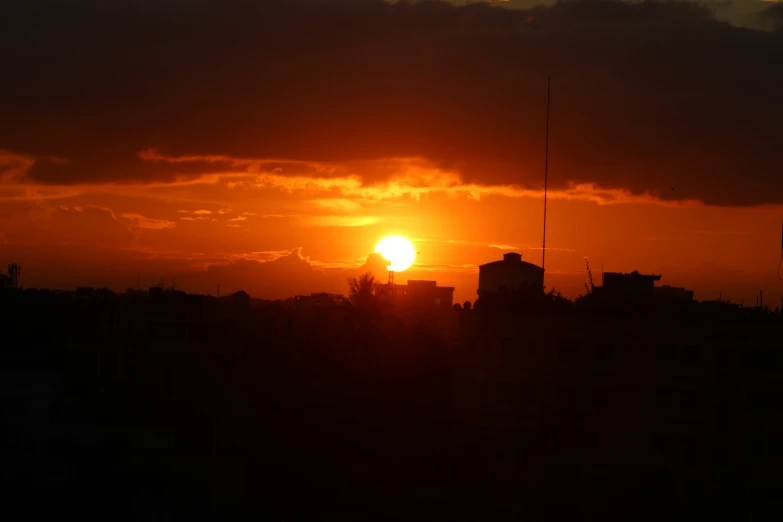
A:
[269,145]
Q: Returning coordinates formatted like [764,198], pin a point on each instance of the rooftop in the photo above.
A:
[633,275]
[511,258]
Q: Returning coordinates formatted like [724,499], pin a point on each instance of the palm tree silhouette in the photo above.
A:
[367,297]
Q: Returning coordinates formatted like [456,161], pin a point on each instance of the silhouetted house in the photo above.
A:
[619,286]
[5,281]
[321,299]
[427,294]
[511,273]
[672,292]
[12,279]
[421,295]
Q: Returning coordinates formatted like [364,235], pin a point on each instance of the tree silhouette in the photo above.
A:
[361,289]
[591,286]
[240,299]
[367,297]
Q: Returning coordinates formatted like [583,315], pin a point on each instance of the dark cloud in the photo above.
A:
[74,226]
[377,266]
[286,276]
[646,95]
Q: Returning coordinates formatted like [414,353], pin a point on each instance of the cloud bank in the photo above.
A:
[647,96]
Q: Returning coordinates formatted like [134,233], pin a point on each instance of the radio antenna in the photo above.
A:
[546,171]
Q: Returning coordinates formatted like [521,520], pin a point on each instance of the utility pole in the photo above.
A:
[546,171]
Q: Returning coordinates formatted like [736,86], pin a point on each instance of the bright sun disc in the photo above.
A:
[398,251]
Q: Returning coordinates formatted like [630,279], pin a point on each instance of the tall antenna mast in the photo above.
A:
[546,170]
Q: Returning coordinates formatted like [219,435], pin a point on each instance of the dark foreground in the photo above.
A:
[301,415]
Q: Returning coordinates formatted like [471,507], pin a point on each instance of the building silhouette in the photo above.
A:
[420,295]
[511,273]
[12,279]
[5,281]
[673,292]
[320,299]
[619,286]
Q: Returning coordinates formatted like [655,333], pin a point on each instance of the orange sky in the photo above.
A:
[268,146]
[102,234]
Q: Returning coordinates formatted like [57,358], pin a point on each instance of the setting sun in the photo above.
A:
[398,251]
